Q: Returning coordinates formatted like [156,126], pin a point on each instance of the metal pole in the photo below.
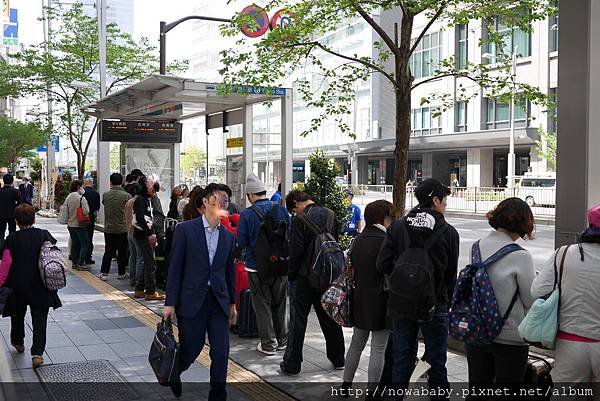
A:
[103,151]
[206,126]
[511,146]
[163,53]
[50,154]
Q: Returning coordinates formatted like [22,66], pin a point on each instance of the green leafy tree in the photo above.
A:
[191,160]
[322,188]
[67,67]
[17,139]
[36,167]
[546,147]
[302,53]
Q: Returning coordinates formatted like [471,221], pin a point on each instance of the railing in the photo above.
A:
[469,200]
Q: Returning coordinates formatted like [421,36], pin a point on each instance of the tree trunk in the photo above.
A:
[403,115]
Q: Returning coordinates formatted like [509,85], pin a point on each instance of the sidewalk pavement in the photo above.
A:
[94,325]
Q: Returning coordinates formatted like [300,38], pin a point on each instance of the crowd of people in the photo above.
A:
[404,273]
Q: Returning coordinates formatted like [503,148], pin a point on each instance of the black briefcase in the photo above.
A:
[164,354]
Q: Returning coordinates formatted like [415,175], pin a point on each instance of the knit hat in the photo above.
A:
[254,185]
[594,217]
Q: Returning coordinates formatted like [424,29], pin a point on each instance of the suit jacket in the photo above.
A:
[26,193]
[190,271]
[9,199]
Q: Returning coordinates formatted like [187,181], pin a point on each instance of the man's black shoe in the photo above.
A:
[176,388]
[285,371]
[90,262]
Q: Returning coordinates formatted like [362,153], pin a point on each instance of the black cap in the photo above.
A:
[429,188]
[349,193]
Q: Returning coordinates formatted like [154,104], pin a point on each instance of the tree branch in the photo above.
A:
[388,41]
[450,74]
[431,21]
[363,62]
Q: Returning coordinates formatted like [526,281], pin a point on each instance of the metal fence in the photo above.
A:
[469,200]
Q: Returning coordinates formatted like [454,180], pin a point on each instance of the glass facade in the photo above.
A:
[462,48]
[460,116]
[426,57]
[513,39]
[553,30]
[426,121]
[497,114]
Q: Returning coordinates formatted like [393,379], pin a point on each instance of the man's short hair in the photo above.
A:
[225,187]
[88,181]
[24,214]
[116,179]
[128,177]
[377,211]
[211,189]
[74,186]
[8,179]
[295,196]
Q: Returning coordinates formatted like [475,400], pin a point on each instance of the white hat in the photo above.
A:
[254,185]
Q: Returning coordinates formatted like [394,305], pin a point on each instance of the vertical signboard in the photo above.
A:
[10,36]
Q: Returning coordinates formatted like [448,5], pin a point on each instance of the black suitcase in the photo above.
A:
[247,327]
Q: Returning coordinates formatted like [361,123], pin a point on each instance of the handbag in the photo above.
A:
[82,217]
[63,214]
[540,326]
[164,354]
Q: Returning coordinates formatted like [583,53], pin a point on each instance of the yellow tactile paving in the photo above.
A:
[243,379]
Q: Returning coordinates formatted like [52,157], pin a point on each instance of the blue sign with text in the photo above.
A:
[55,141]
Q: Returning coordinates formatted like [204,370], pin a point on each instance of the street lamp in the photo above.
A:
[511,144]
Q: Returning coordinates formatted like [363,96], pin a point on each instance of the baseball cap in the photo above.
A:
[349,193]
[429,188]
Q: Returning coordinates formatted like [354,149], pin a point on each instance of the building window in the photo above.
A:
[553,113]
[426,57]
[513,39]
[497,114]
[426,121]
[553,29]
[460,116]
[462,49]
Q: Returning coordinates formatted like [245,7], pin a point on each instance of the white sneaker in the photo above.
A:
[104,277]
[260,349]
[281,347]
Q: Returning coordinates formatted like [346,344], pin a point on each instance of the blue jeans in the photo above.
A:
[435,335]
[79,245]
[136,262]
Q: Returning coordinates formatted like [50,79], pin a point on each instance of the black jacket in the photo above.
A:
[142,216]
[9,199]
[443,254]
[93,199]
[369,304]
[302,241]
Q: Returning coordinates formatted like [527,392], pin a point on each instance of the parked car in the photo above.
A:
[538,189]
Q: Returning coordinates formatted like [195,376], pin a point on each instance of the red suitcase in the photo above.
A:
[241,281]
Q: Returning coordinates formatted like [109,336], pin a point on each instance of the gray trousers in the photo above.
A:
[379,341]
[269,298]
[136,263]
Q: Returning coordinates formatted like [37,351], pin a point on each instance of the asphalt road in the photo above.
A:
[470,230]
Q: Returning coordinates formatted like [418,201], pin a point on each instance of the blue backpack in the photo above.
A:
[474,316]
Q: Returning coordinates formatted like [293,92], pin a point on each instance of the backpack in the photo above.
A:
[52,266]
[474,316]
[337,300]
[328,258]
[272,251]
[412,283]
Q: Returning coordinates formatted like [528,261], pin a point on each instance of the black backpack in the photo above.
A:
[272,251]
[412,282]
[328,259]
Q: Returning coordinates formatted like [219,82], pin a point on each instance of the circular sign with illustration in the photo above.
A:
[261,18]
[282,19]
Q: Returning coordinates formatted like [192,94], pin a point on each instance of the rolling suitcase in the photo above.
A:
[247,327]
[241,281]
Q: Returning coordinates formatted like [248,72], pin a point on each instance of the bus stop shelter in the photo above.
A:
[169,99]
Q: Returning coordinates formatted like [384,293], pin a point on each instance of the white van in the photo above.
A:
[538,189]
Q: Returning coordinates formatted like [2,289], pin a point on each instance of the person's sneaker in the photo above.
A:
[176,388]
[123,276]
[155,296]
[285,371]
[268,352]
[338,366]
[37,361]
[104,277]
[281,347]
[139,294]
[20,348]
[82,268]
[90,262]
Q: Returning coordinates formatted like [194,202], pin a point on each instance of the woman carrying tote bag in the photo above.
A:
[577,355]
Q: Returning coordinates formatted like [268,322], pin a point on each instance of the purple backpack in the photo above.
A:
[474,316]
[52,267]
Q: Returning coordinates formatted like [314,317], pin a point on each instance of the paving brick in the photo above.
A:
[129,349]
[85,338]
[100,324]
[127,322]
[98,351]
[114,336]
[65,354]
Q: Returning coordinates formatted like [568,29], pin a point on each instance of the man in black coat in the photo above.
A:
[302,295]
[423,227]
[93,199]
[9,199]
[26,191]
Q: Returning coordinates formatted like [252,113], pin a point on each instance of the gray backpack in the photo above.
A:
[52,267]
